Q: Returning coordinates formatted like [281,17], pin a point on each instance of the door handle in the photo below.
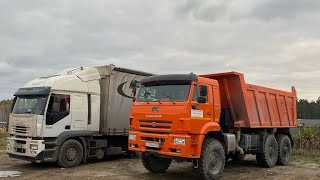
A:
[208,113]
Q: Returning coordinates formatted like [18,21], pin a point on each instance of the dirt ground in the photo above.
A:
[125,169]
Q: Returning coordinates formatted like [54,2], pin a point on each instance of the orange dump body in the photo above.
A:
[254,106]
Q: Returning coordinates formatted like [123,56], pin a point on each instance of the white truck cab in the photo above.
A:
[72,116]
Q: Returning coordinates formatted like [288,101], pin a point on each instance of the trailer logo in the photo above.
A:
[155,109]
[120,90]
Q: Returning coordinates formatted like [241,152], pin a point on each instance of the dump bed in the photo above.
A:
[252,106]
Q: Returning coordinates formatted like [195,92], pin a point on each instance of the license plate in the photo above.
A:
[152,145]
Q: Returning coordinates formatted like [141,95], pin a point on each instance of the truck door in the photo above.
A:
[202,101]
[58,116]
[79,111]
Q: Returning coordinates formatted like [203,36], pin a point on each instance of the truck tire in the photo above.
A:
[70,154]
[212,159]
[155,164]
[269,155]
[284,149]
[237,156]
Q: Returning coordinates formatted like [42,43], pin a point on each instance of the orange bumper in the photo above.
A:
[191,149]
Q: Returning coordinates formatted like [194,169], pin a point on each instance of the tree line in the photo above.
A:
[7,102]
[306,109]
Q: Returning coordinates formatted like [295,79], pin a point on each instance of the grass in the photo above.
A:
[308,156]
[307,145]
[3,143]
[3,139]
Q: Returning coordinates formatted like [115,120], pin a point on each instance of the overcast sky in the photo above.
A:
[275,43]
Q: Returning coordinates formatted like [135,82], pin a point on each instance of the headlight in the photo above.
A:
[179,141]
[132,137]
[34,146]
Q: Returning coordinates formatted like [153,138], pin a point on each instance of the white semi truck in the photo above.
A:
[72,116]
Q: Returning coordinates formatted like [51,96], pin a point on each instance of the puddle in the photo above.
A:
[10,173]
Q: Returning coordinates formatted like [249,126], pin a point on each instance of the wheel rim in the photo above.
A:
[272,153]
[72,154]
[286,151]
[213,162]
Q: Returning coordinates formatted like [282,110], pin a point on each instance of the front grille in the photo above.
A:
[21,142]
[150,126]
[20,129]
[160,140]
[159,126]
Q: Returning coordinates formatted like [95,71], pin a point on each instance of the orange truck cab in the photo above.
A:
[208,119]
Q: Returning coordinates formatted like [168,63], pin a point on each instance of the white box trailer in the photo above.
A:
[72,116]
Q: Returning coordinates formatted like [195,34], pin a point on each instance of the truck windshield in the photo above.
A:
[29,105]
[164,93]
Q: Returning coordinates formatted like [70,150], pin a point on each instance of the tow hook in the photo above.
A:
[195,163]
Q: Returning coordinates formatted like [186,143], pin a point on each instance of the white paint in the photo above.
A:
[5,174]
[153,116]
[196,113]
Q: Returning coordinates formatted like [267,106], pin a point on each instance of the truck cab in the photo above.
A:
[176,111]
[49,109]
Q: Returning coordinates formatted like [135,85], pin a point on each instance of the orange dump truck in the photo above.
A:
[208,119]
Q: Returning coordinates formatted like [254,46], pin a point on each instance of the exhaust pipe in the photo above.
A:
[238,141]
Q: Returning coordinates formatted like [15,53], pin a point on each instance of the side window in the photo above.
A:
[200,92]
[58,108]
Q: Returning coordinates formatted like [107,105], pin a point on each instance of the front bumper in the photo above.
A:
[20,147]
[166,144]
[38,158]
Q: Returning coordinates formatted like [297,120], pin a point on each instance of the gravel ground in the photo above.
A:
[125,169]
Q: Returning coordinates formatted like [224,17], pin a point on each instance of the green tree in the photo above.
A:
[318,108]
[7,102]
[308,110]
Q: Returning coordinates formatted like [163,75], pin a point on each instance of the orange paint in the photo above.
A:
[250,106]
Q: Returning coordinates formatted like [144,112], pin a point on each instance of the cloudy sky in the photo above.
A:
[275,43]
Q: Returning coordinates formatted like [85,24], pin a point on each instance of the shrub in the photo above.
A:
[307,139]
[3,133]
[307,144]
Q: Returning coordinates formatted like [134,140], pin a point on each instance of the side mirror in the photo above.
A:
[134,84]
[203,91]
[201,99]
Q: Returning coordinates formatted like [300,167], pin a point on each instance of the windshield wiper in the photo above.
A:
[145,98]
[169,98]
[157,99]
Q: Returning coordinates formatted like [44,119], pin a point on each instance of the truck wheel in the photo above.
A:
[269,156]
[212,160]
[284,150]
[237,156]
[70,154]
[155,164]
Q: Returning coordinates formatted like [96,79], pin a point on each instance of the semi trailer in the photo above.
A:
[74,115]
[208,119]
